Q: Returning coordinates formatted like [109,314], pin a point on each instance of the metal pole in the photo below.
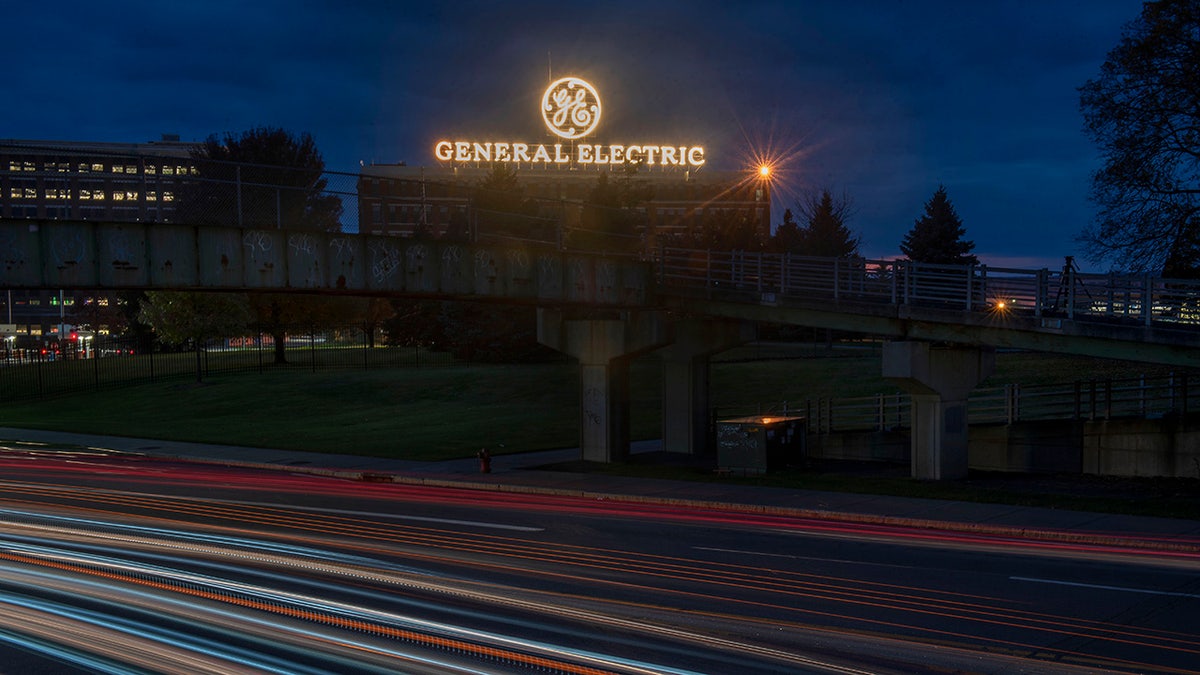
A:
[239,193]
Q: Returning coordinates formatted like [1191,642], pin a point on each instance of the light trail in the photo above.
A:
[311,541]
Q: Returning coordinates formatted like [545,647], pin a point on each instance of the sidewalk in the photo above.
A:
[518,472]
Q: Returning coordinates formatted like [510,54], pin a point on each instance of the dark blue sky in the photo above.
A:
[879,101]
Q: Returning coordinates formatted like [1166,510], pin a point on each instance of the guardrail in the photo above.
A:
[1081,400]
[1067,293]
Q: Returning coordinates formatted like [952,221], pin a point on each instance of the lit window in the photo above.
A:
[14,193]
[30,193]
[168,196]
[151,169]
[97,167]
[151,196]
[118,196]
[29,166]
[168,171]
[117,168]
[83,168]
[14,165]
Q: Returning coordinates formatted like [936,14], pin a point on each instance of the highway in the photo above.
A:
[128,564]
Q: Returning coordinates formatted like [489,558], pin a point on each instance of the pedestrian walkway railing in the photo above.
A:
[1066,294]
[1091,400]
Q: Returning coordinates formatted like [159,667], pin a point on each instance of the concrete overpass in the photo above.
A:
[605,310]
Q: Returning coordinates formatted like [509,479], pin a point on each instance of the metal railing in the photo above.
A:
[1090,400]
[1068,294]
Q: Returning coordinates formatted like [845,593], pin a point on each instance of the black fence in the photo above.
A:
[96,364]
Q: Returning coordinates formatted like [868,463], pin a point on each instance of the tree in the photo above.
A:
[936,237]
[182,317]
[826,234]
[788,237]
[502,210]
[1143,111]
[614,216]
[269,178]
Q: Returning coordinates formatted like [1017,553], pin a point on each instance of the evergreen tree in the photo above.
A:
[825,233]
[788,237]
[936,237]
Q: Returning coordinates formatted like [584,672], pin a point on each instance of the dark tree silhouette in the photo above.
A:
[825,233]
[265,178]
[613,218]
[787,238]
[1143,111]
[269,178]
[936,237]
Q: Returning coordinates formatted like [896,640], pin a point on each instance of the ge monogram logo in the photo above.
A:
[571,108]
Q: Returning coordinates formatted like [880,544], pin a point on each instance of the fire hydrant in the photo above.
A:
[485,461]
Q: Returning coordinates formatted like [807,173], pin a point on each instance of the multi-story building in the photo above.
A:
[61,180]
[125,182]
[401,200]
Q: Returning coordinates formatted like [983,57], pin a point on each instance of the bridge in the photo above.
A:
[604,310]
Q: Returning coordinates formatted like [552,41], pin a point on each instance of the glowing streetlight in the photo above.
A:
[764,171]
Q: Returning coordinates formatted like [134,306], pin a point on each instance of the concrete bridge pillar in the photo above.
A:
[604,347]
[685,408]
[939,380]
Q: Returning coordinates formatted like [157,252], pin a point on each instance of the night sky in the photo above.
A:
[878,101]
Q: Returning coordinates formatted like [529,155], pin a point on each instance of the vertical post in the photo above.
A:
[312,348]
[1070,274]
[96,370]
[1040,293]
[238,181]
[970,285]
[895,279]
[1148,299]
[1142,395]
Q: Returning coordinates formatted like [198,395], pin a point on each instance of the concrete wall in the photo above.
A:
[1162,447]
[1167,447]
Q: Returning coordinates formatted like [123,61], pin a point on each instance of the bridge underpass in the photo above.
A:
[606,310]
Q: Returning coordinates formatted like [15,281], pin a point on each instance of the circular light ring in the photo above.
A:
[571,108]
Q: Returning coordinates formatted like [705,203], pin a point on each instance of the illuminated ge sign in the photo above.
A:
[571,110]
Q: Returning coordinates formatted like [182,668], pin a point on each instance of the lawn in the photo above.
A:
[429,413]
